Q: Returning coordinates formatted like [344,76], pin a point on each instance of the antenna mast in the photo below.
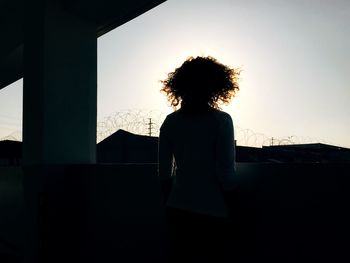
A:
[150,126]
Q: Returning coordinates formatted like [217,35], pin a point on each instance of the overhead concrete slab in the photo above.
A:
[107,14]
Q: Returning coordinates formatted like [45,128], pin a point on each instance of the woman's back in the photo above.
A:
[198,141]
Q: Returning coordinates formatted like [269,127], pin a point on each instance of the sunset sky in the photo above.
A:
[295,58]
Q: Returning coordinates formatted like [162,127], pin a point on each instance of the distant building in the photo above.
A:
[306,153]
[126,147]
[245,154]
[10,153]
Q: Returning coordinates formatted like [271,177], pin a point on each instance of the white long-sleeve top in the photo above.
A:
[197,151]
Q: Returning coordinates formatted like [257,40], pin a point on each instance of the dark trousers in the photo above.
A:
[199,238]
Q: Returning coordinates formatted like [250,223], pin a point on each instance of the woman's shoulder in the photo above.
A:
[222,115]
[170,118]
[172,115]
[213,113]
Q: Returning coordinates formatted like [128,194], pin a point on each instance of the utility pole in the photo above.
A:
[271,141]
[150,126]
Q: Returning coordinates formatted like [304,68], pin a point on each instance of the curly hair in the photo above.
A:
[199,81]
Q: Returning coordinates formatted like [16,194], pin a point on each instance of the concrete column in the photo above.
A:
[60,85]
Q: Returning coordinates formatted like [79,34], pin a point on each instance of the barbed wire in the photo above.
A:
[148,122]
[136,121]
[14,136]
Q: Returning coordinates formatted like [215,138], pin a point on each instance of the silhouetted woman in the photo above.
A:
[197,160]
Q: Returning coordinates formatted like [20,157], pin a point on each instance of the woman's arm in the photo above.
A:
[165,161]
[226,163]
[225,155]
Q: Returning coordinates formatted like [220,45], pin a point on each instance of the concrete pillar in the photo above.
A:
[59,120]
[60,85]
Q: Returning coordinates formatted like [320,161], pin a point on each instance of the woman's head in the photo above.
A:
[201,81]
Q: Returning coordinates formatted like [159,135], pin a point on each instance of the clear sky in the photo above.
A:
[295,58]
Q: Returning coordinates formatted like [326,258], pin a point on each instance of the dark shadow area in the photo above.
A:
[296,213]
[100,213]
[95,213]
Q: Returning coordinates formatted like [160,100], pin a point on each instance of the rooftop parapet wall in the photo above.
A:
[285,212]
